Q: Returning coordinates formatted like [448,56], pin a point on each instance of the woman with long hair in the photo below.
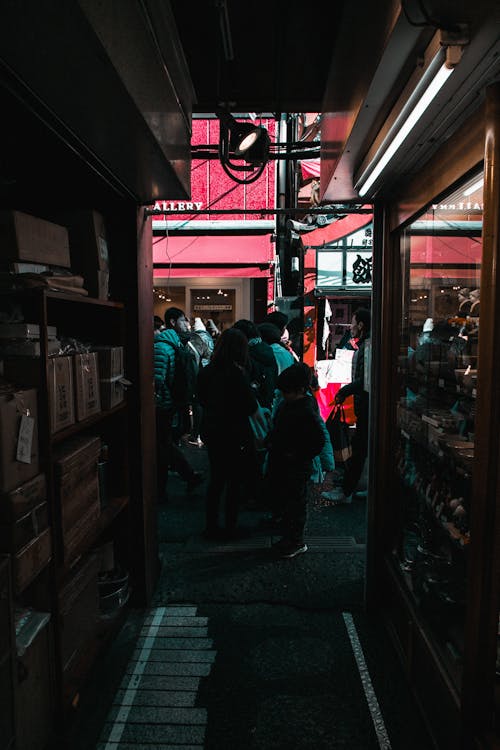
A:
[228,400]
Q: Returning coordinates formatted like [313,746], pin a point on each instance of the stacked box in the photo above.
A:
[112,393]
[18,438]
[110,362]
[79,609]
[35,689]
[77,487]
[27,372]
[89,250]
[14,536]
[111,368]
[88,400]
[61,393]
[29,560]
[25,237]
[21,500]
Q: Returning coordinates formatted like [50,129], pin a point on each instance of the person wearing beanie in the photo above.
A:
[272,336]
[280,320]
[360,329]
[297,437]
[199,325]
[263,369]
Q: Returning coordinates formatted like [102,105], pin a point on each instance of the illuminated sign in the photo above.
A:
[460,206]
[173,206]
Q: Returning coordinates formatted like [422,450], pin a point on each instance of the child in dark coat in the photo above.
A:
[296,438]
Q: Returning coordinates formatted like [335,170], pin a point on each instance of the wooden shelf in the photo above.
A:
[77,427]
[80,298]
[75,675]
[106,518]
[63,296]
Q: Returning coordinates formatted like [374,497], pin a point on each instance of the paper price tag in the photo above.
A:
[25,439]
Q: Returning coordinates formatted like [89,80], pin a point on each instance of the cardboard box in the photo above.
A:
[28,348]
[79,609]
[29,561]
[77,487]
[16,535]
[18,411]
[74,455]
[88,399]
[112,393]
[24,331]
[18,502]
[61,393]
[79,534]
[77,495]
[35,689]
[25,237]
[110,362]
[88,240]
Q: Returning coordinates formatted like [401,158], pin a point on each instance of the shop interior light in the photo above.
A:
[475,186]
[428,95]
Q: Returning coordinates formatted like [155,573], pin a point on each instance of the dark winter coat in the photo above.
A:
[227,400]
[356,387]
[297,437]
[263,370]
[165,343]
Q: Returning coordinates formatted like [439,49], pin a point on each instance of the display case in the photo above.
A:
[441,253]
[434,470]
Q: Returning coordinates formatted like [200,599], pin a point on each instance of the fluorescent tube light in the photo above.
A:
[427,97]
[475,186]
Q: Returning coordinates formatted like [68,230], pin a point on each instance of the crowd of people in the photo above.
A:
[245,396]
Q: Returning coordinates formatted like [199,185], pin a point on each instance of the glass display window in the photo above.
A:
[441,253]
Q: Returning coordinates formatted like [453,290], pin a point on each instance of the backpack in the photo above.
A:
[183,386]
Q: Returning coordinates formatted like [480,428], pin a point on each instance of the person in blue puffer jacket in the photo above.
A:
[166,343]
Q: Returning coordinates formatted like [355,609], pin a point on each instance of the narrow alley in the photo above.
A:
[241,650]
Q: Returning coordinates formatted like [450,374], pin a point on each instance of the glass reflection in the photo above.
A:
[441,263]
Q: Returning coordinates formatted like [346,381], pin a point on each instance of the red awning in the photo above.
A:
[209,249]
[179,272]
[310,168]
[336,230]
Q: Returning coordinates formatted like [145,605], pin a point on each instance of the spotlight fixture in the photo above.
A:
[244,141]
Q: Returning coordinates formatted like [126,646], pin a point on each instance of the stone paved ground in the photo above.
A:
[241,651]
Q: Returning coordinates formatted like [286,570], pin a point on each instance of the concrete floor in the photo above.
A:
[243,651]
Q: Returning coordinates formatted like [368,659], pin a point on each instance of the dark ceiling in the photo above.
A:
[282,52]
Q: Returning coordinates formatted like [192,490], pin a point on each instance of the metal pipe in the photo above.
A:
[339,211]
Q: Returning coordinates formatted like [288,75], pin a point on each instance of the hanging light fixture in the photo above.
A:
[434,79]
[244,141]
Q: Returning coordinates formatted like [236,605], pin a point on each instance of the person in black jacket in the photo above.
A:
[360,329]
[228,400]
[262,363]
[296,438]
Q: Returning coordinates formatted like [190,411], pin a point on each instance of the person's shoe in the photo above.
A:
[360,495]
[337,497]
[292,550]
[194,480]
